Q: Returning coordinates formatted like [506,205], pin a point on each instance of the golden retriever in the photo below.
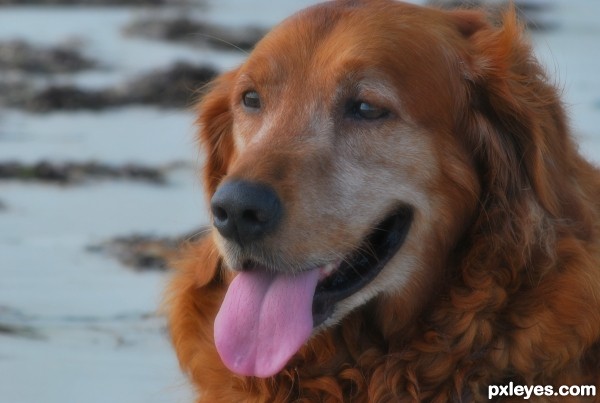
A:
[399,214]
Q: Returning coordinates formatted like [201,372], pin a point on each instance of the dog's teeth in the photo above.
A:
[328,269]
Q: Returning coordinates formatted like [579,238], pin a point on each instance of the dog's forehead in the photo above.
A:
[346,36]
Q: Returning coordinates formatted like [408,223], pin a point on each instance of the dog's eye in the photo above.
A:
[367,111]
[251,100]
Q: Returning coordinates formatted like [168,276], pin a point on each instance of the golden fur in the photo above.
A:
[499,279]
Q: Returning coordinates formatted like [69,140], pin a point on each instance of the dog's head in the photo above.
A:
[346,158]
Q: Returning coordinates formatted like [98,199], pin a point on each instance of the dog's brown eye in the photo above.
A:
[367,111]
[251,100]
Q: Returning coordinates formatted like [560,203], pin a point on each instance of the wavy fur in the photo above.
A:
[518,296]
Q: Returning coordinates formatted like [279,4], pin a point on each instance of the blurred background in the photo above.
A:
[99,173]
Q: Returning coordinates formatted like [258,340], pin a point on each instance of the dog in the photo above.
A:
[399,213]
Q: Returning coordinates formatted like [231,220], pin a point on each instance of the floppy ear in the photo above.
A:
[516,122]
[216,137]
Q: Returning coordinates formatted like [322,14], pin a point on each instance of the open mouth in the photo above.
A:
[362,265]
[266,316]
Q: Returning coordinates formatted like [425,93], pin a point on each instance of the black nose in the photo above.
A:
[245,211]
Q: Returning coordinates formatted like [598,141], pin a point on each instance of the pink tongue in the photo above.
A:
[264,320]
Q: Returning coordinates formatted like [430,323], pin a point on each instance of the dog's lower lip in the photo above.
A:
[362,265]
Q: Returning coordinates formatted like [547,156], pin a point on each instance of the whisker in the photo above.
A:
[196,235]
[216,38]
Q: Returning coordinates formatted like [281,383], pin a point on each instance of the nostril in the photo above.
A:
[255,216]
[220,213]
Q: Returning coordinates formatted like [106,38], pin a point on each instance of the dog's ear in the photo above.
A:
[515,124]
[215,122]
